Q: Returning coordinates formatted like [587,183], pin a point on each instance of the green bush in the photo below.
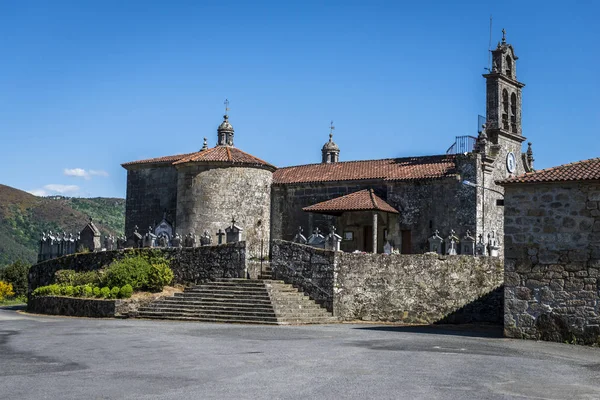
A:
[143,272]
[64,276]
[114,292]
[159,276]
[77,291]
[88,291]
[105,293]
[50,290]
[16,274]
[70,277]
[96,291]
[126,292]
[132,270]
[66,290]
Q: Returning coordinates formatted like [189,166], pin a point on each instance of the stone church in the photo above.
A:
[372,203]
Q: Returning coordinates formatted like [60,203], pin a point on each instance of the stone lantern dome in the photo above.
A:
[330,151]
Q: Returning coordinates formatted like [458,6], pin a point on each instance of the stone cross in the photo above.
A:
[220,235]
[299,238]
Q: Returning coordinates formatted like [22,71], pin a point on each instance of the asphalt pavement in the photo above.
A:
[43,357]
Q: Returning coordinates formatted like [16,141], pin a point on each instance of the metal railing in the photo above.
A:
[462,144]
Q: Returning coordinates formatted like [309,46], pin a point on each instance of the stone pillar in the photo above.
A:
[374,232]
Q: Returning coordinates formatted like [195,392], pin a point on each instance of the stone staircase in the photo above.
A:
[249,301]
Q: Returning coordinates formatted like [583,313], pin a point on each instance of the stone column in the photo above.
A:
[374,232]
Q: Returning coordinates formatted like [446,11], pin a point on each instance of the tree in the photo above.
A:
[16,274]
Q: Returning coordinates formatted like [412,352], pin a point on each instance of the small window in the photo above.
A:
[508,66]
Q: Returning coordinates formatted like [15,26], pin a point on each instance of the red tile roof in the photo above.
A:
[218,154]
[157,160]
[363,200]
[410,168]
[578,171]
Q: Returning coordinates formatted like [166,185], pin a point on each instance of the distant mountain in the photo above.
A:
[23,218]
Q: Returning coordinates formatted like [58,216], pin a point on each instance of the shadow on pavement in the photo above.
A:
[468,330]
[16,307]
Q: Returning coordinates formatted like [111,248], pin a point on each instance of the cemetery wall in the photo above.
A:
[190,265]
[552,253]
[210,196]
[151,190]
[424,288]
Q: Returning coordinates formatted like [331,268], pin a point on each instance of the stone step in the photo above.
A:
[241,295]
[151,314]
[210,311]
[242,284]
[213,320]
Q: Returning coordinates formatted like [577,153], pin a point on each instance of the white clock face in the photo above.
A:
[511,162]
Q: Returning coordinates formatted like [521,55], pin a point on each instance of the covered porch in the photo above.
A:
[365,221]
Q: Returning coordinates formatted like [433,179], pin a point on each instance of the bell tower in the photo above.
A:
[503,95]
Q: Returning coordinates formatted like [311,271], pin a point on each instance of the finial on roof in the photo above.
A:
[331,128]
[503,36]
[226,102]
[205,145]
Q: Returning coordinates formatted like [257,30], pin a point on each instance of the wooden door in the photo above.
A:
[368,239]
[406,242]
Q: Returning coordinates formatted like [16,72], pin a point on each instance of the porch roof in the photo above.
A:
[363,200]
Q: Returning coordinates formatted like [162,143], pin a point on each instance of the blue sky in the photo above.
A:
[86,86]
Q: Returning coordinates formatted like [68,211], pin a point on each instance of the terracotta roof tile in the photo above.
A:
[410,168]
[578,171]
[363,200]
[223,154]
[157,160]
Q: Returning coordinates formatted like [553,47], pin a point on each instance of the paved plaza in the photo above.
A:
[44,357]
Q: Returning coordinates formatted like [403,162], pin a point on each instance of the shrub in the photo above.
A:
[159,276]
[126,292]
[88,291]
[132,270]
[77,291]
[6,290]
[64,276]
[114,292]
[150,271]
[66,290]
[50,290]
[96,291]
[105,293]
[16,274]
[70,277]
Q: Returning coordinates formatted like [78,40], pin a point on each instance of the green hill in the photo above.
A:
[23,218]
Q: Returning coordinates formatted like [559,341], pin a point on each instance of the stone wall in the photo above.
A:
[552,257]
[209,196]
[422,288]
[305,267]
[150,191]
[73,307]
[189,265]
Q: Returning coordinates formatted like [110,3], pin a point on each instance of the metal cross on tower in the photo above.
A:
[331,128]
[503,35]
[226,102]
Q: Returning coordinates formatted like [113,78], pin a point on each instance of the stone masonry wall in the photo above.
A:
[552,257]
[190,265]
[305,267]
[422,288]
[150,191]
[209,196]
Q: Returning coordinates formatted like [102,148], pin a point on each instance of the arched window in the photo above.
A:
[505,109]
[513,113]
[508,66]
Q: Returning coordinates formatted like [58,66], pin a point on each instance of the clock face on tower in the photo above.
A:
[511,162]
